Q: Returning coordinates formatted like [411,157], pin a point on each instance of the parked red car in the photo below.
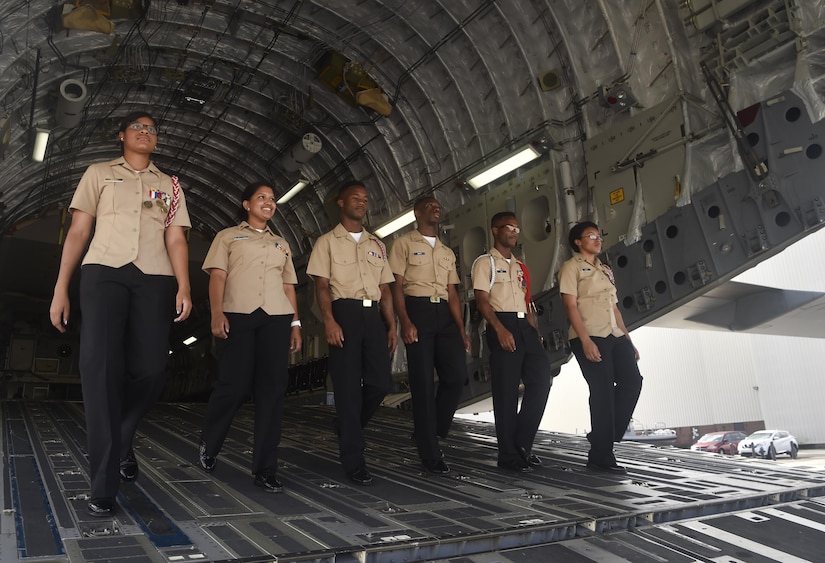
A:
[719,442]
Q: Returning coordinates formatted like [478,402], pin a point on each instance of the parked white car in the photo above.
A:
[769,444]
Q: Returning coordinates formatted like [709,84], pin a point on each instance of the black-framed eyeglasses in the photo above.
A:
[138,126]
[592,236]
[511,228]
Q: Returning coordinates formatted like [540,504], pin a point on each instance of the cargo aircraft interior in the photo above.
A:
[690,131]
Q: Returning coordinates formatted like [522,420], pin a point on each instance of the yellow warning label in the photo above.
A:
[617,196]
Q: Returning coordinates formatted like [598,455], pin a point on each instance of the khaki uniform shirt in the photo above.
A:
[509,286]
[257,267]
[592,284]
[129,222]
[354,270]
[426,270]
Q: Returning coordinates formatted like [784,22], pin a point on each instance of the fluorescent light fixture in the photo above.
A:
[293,191]
[397,223]
[190,340]
[41,142]
[499,169]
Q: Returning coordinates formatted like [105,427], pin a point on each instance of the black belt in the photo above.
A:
[367,303]
[431,299]
[516,314]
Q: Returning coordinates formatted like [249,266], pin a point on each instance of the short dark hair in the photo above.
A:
[501,215]
[248,192]
[422,201]
[345,187]
[134,116]
[576,233]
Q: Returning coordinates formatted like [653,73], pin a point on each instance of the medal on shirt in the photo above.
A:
[161,199]
[282,248]
[520,279]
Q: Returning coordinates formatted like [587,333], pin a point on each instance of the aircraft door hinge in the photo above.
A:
[815,214]
[756,240]
[699,274]
[644,299]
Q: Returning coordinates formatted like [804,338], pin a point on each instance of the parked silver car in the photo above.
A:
[769,444]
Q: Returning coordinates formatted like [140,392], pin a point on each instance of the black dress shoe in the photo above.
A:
[611,468]
[529,457]
[268,481]
[101,507]
[436,466]
[128,468]
[206,461]
[515,465]
[360,476]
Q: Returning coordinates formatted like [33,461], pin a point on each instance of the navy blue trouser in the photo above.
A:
[615,385]
[439,348]
[361,375]
[253,362]
[516,428]
[124,349]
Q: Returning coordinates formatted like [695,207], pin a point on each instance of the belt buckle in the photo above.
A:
[435,299]
[521,314]
[366,302]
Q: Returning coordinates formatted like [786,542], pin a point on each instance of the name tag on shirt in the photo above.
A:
[419,253]
[501,271]
[241,237]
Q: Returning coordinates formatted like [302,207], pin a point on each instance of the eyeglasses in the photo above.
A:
[592,236]
[511,228]
[138,126]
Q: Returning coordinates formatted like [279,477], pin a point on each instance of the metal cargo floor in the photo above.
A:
[674,505]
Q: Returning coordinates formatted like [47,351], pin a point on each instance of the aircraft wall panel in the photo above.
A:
[724,224]
[614,196]
[782,134]
[641,275]
[641,154]
[683,249]
[469,236]
[536,208]
[21,353]
[761,215]
[660,183]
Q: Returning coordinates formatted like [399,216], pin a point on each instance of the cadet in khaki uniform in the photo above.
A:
[255,319]
[352,277]
[516,352]
[127,295]
[601,344]
[428,308]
